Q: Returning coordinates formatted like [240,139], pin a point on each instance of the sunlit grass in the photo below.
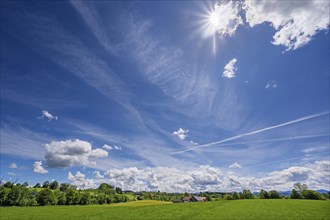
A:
[238,209]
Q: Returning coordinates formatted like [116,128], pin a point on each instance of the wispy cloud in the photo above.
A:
[90,15]
[48,115]
[13,166]
[21,142]
[271,84]
[256,131]
[108,147]
[235,165]
[44,33]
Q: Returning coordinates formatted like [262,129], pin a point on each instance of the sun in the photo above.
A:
[213,19]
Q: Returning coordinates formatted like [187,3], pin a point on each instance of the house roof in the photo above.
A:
[199,198]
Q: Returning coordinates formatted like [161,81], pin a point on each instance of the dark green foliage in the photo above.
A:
[8,185]
[295,194]
[46,197]
[4,196]
[119,190]
[106,188]
[53,185]
[310,194]
[38,185]
[246,194]
[64,186]
[45,184]
[273,194]
[235,195]
[85,198]
[228,197]
[263,194]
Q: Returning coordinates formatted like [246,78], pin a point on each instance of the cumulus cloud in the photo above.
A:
[181,133]
[47,115]
[296,22]
[229,70]
[13,166]
[80,180]
[98,175]
[71,152]
[37,168]
[108,147]
[207,178]
[226,18]
[271,84]
[235,165]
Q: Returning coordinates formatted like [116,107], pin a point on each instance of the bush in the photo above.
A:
[227,197]
[295,194]
[310,194]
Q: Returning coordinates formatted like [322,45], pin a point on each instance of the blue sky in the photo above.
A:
[170,96]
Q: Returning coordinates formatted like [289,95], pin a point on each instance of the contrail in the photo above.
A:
[276,139]
[255,132]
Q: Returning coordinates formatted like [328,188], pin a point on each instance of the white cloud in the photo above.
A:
[229,70]
[98,175]
[71,152]
[271,84]
[207,178]
[235,165]
[226,18]
[13,166]
[49,116]
[37,168]
[80,180]
[296,22]
[182,134]
[117,148]
[193,143]
[108,147]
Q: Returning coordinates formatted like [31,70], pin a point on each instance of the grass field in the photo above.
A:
[238,209]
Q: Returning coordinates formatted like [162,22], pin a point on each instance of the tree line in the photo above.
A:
[299,191]
[53,193]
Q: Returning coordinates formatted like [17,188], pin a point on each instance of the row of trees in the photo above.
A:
[299,191]
[54,194]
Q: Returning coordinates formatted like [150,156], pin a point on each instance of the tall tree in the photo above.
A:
[53,185]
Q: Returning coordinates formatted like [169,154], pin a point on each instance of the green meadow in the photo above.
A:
[146,209]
